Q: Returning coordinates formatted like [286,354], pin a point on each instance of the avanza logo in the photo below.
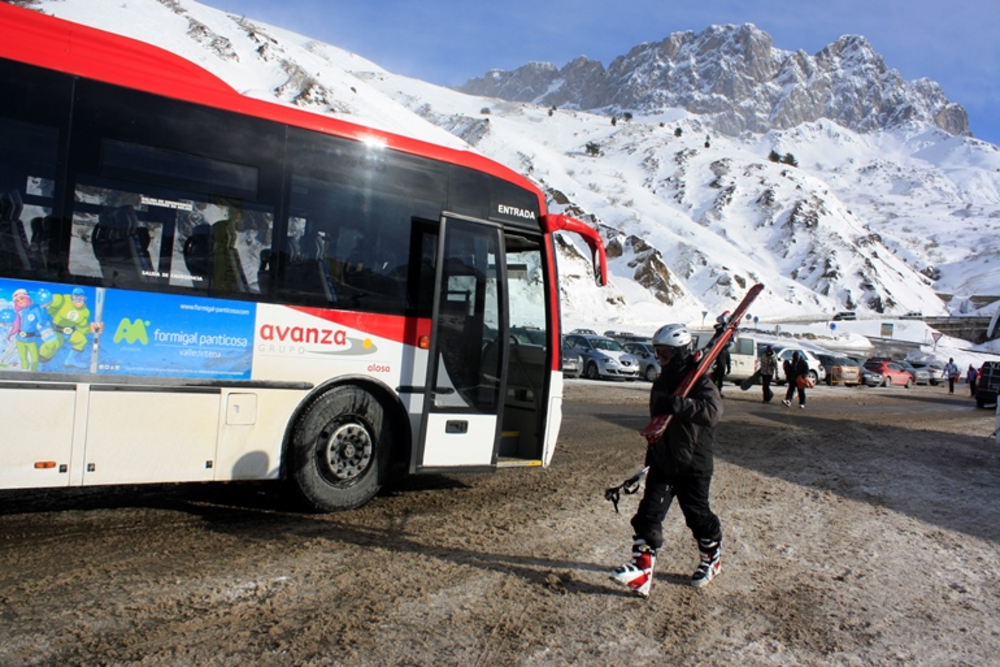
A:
[305,335]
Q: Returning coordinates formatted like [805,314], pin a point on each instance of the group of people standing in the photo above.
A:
[796,372]
[971,377]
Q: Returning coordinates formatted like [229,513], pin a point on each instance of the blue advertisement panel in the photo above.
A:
[171,335]
[47,327]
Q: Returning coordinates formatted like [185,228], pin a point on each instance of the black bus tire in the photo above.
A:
[341,449]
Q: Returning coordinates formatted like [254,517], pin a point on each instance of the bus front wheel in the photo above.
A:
[341,449]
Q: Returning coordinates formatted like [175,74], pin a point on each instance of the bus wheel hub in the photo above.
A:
[349,451]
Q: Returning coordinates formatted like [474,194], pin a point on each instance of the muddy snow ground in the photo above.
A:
[862,530]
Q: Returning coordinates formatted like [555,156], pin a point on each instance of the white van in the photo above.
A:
[816,371]
[743,360]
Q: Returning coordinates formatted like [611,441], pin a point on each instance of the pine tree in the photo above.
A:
[773,156]
[789,159]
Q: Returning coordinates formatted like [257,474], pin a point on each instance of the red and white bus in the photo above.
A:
[197,286]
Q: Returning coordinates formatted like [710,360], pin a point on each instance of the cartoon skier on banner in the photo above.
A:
[71,322]
[31,327]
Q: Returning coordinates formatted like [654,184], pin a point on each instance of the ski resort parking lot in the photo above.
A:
[862,530]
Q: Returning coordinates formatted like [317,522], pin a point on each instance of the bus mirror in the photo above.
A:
[555,223]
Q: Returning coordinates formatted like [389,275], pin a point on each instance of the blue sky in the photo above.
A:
[447,42]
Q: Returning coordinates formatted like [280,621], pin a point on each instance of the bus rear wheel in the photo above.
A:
[341,449]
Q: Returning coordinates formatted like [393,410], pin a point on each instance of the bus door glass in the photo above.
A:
[464,377]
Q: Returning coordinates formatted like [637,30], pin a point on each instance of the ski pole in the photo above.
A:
[628,487]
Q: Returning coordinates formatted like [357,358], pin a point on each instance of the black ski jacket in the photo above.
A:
[686,446]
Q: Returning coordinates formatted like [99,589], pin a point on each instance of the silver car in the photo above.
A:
[572,363]
[649,367]
[935,371]
[603,357]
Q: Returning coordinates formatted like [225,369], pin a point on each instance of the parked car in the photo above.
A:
[743,352]
[649,367]
[584,332]
[891,372]
[846,315]
[840,369]
[988,385]
[920,375]
[627,337]
[603,357]
[935,370]
[869,378]
[816,371]
[572,363]
[527,336]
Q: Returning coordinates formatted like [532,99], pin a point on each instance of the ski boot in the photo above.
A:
[637,574]
[711,562]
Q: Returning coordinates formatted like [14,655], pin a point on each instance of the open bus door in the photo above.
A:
[463,395]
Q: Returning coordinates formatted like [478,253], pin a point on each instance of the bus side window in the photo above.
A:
[122,247]
[15,249]
[27,250]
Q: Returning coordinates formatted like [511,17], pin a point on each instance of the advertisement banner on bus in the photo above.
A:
[168,335]
[46,327]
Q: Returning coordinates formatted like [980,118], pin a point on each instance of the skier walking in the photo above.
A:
[768,369]
[680,465]
[793,371]
[722,368]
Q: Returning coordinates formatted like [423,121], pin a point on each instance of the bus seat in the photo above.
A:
[308,272]
[198,255]
[44,243]
[264,271]
[16,254]
[229,276]
[210,255]
[122,247]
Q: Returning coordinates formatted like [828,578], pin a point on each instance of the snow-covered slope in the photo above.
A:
[877,222]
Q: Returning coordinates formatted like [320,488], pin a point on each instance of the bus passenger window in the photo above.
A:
[122,247]
[29,234]
[156,238]
[212,258]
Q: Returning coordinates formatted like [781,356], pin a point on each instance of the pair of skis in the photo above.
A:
[659,424]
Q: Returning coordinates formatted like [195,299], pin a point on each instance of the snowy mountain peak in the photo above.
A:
[737,81]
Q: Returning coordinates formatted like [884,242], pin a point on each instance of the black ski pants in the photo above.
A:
[765,381]
[792,388]
[692,496]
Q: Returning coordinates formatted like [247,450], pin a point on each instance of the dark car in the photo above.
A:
[649,367]
[988,385]
[870,378]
